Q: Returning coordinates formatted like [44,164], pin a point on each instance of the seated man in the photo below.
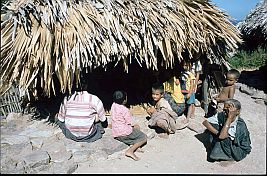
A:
[230,139]
[79,116]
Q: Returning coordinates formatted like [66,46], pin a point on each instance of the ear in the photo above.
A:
[237,111]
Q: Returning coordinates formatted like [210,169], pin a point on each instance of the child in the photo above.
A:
[187,80]
[122,128]
[228,90]
[162,114]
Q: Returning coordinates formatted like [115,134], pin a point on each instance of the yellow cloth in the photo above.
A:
[191,76]
[174,89]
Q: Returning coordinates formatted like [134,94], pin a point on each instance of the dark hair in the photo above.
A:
[235,102]
[158,86]
[119,96]
[234,72]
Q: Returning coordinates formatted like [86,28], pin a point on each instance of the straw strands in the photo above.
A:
[256,21]
[42,39]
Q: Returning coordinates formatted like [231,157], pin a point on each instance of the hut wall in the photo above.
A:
[9,102]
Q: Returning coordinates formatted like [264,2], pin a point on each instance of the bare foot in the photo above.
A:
[192,116]
[132,155]
[140,150]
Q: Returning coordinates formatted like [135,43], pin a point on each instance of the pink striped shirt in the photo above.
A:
[121,120]
[79,113]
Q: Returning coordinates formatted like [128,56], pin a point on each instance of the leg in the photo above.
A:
[163,124]
[193,111]
[133,148]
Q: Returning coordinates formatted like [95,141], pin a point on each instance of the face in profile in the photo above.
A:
[156,95]
[230,79]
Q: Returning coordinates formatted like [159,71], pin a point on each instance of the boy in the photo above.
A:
[161,114]
[228,90]
[229,136]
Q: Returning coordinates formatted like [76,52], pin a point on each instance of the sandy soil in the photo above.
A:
[183,152]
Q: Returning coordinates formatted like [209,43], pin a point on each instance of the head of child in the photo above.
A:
[187,65]
[120,97]
[232,77]
[157,92]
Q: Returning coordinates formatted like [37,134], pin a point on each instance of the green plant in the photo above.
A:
[249,60]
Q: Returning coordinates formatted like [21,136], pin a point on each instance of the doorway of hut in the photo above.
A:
[102,82]
[136,82]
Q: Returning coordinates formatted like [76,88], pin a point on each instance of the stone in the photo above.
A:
[32,132]
[82,156]
[247,90]
[111,145]
[36,143]
[67,167]
[60,156]
[14,139]
[99,155]
[36,159]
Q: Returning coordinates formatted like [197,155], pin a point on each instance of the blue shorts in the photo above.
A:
[191,99]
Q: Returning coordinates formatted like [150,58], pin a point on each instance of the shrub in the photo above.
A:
[249,60]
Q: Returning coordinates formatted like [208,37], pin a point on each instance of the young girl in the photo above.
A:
[188,79]
[122,128]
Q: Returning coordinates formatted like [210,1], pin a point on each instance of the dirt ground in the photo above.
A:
[184,151]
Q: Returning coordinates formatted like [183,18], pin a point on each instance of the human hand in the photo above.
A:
[232,112]
[136,127]
[150,110]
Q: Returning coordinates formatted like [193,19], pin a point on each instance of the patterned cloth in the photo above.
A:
[79,113]
[174,89]
[121,120]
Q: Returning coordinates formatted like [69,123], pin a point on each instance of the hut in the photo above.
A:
[254,27]
[47,46]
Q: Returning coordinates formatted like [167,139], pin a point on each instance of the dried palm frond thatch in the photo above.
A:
[58,38]
[255,24]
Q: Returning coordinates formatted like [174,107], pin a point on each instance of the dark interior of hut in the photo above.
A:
[102,82]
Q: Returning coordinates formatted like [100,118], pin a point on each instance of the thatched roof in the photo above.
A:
[255,20]
[255,24]
[46,38]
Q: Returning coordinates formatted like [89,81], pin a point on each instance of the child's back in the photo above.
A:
[122,128]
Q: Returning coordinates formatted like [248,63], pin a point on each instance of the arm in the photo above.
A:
[192,87]
[62,112]
[231,115]
[210,127]
[128,117]
[231,92]
[100,111]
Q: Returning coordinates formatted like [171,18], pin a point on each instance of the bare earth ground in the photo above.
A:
[183,152]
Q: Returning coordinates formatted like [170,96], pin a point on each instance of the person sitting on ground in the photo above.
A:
[174,96]
[228,90]
[229,136]
[187,81]
[122,128]
[161,112]
[80,116]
